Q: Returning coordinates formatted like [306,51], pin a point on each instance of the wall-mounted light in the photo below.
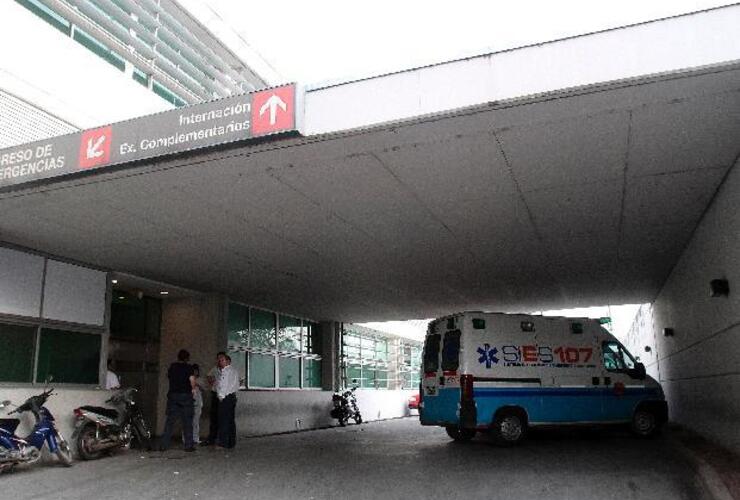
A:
[115,282]
[719,288]
[668,332]
[164,292]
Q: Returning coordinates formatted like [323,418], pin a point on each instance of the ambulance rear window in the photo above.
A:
[431,353]
[451,351]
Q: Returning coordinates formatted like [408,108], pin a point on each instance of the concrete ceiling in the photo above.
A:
[568,199]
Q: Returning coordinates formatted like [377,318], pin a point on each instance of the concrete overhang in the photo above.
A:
[564,174]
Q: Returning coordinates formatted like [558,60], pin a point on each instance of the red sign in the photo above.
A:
[273,110]
[95,147]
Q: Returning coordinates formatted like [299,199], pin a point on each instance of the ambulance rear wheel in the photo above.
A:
[509,427]
[459,434]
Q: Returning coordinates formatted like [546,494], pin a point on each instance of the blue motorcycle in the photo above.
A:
[15,450]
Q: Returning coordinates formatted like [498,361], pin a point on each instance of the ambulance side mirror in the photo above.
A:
[638,372]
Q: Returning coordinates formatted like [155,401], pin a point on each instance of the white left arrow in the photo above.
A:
[273,103]
[93,150]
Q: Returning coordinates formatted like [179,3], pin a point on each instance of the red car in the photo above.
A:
[414,401]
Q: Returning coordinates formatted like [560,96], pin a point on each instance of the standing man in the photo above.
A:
[180,400]
[112,382]
[213,377]
[228,384]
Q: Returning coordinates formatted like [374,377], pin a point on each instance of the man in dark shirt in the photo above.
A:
[180,400]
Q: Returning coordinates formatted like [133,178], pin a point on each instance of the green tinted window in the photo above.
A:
[140,77]
[70,357]
[311,373]
[238,324]
[46,14]
[16,354]
[167,95]
[290,372]
[289,334]
[312,343]
[368,378]
[354,375]
[98,48]
[263,329]
[261,370]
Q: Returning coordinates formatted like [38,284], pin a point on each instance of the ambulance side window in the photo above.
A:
[431,353]
[451,351]
[616,359]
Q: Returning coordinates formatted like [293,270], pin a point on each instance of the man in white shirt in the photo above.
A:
[112,382]
[227,387]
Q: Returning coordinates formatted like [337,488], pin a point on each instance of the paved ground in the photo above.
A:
[381,460]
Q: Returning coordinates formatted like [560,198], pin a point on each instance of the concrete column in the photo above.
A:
[330,332]
[197,324]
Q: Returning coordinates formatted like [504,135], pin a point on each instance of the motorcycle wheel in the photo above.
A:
[358,418]
[5,466]
[64,452]
[143,436]
[85,437]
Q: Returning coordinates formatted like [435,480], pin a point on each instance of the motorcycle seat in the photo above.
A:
[10,424]
[106,412]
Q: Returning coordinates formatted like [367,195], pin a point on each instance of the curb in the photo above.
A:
[710,478]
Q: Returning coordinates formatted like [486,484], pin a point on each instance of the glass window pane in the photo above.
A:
[289,334]
[290,372]
[312,373]
[312,341]
[263,329]
[354,375]
[239,362]
[16,355]
[368,378]
[381,379]
[70,357]
[238,324]
[46,14]
[261,370]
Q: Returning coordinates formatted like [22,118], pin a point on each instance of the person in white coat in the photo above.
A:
[200,386]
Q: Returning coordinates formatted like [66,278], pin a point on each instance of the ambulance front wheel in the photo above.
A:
[509,427]
[644,423]
[459,434]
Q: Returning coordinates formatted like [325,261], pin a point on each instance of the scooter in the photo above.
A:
[345,407]
[15,450]
[99,429]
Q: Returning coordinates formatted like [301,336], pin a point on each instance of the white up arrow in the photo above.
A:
[92,149]
[273,103]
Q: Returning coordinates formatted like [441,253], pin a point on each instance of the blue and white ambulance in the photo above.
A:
[507,372]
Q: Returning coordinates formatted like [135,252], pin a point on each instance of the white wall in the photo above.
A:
[267,412]
[690,41]
[21,278]
[698,366]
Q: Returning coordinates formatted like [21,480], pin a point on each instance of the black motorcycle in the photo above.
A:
[345,407]
[99,429]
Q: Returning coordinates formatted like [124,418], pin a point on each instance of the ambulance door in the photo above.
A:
[429,410]
[577,394]
[623,386]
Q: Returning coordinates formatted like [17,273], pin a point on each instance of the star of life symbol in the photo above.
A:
[487,355]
